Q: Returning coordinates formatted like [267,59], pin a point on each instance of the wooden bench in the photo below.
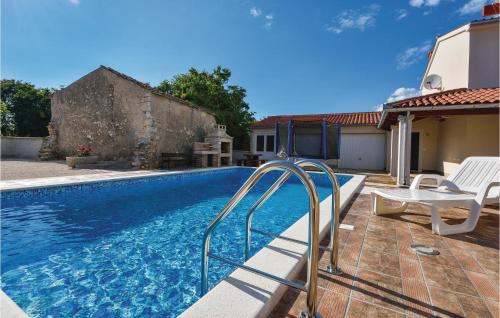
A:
[244,162]
[174,158]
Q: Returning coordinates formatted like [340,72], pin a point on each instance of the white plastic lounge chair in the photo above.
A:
[475,183]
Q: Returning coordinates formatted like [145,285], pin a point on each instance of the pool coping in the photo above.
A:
[37,183]
[244,294]
[8,308]
[238,292]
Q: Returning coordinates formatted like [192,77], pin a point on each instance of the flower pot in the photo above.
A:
[73,161]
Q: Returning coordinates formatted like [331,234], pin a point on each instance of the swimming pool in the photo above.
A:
[132,247]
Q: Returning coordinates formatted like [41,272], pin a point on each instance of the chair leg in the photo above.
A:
[442,228]
[379,207]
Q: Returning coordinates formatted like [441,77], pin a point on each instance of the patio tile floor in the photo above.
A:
[383,277]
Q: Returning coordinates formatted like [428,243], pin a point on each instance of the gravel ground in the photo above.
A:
[27,169]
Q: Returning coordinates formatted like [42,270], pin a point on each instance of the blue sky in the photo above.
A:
[293,57]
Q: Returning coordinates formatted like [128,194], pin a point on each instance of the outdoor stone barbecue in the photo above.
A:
[216,151]
[123,119]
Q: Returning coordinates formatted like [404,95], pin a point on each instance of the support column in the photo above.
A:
[409,124]
[339,143]
[323,139]
[404,149]
[394,146]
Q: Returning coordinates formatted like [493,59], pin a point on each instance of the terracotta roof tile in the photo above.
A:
[461,96]
[368,118]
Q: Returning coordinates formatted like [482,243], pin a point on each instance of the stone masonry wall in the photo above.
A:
[122,120]
[84,113]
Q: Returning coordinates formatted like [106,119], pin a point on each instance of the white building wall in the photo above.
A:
[467,57]
[21,147]
[266,155]
[484,56]
[450,60]
[361,130]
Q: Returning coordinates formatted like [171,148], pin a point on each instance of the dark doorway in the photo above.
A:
[415,150]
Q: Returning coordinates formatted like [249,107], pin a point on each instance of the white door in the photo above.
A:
[362,151]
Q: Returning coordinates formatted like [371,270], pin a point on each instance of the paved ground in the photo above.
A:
[26,169]
[372,177]
[383,277]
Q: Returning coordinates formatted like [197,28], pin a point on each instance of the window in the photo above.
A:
[264,143]
[260,143]
[270,143]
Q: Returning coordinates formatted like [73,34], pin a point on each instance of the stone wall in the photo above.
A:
[122,119]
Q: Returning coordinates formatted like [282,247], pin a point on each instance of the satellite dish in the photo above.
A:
[433,81]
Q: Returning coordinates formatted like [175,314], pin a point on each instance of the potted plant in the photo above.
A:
[83,156]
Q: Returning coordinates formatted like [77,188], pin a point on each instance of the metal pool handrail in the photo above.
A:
[313,233]
[334,224]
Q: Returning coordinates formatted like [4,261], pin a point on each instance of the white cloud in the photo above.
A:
[355,19]
[416,3]
[269,18]
[401,14]
[427,3]
[473,6]
[432,3]
[254,12]
[378,108]
[412,55]
[402,93]
[75,2]
[258,14]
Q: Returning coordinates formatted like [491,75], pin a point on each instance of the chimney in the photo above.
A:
[491,9]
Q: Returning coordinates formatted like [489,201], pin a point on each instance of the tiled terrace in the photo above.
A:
[383,277]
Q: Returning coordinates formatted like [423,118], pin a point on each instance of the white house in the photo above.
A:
[457,114]
[347,140]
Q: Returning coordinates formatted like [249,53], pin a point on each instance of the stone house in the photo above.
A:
[123,119]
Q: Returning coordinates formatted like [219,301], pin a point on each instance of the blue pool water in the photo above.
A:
[131,248]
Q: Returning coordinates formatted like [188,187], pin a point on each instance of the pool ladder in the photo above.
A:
[313,232]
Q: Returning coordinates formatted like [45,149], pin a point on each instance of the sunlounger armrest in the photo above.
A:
[485,189]
[419,178]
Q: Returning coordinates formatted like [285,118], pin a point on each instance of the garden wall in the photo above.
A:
[21,147]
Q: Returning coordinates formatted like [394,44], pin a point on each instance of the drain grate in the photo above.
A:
[424,249]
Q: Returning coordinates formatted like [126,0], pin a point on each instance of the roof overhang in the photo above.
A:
[389,115]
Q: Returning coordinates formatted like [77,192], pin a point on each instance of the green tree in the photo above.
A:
[7,125]
[211,90]
[29,106]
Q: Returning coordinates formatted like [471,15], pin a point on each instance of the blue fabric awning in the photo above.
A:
[323,139]
[277,138]
[290,136]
